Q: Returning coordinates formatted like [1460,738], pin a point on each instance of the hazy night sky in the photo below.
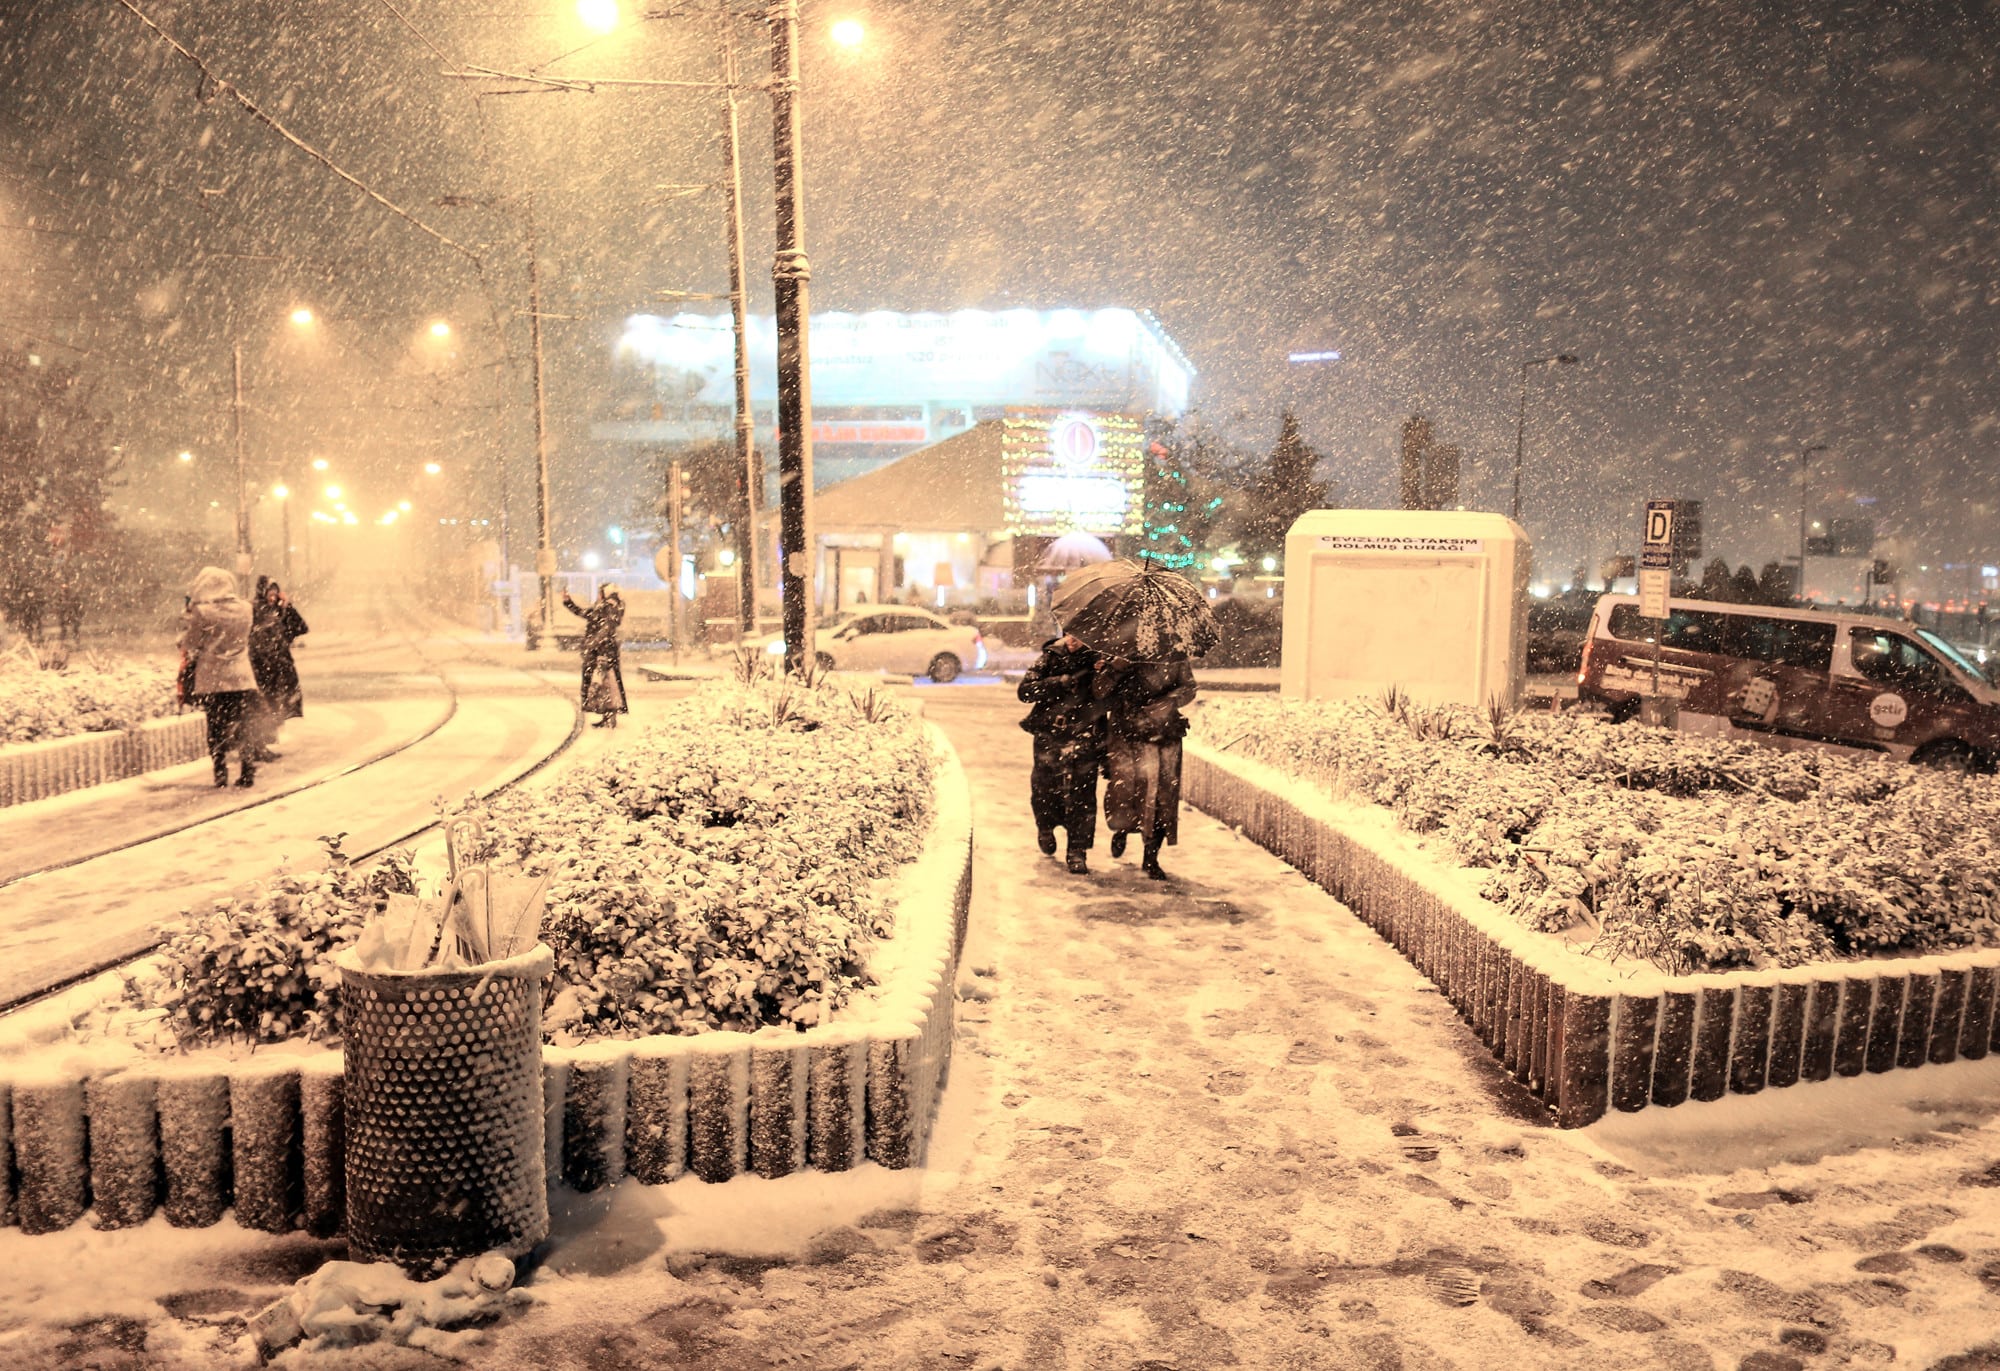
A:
[1755,224]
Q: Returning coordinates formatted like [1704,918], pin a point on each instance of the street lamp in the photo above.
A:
[791,275]
[1561,359]
[1805,453]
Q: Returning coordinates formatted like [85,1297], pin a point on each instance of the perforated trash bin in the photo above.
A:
[444,1111]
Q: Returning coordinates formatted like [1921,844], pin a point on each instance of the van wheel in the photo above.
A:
[1949,755]
[944,668]
[1622,711]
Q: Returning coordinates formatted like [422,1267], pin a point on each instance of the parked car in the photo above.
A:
[1797,677]
[895,638]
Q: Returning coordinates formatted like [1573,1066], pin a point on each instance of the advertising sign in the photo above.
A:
[1073,472]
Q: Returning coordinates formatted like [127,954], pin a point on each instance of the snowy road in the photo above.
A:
[1211,1123]
[394,722]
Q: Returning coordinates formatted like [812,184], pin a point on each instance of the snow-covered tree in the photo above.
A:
[1284,490]
[56,461]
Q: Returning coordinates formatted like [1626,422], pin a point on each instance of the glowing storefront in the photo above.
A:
[968,519]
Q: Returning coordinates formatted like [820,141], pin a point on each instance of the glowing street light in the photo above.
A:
[281,491]
[319,464]
[432,468]
[599,16]
[404,506]
[333,492]
[186,457]
[849,33]
[302,316]
[440,329]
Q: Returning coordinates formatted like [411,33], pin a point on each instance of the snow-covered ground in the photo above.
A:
[1215,1122]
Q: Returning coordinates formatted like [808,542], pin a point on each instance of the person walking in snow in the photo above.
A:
[603,673]
[1142,752]
[274,626]
[1067,724]
[216,637]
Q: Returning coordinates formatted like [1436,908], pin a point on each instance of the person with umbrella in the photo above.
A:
[1067,723]
[1145,623]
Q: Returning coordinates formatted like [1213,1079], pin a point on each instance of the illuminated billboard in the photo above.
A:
[1073,472]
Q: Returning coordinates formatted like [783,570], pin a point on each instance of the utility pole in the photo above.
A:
[790,275]
[676,486]
[545,551]
[748,462]
[243,562]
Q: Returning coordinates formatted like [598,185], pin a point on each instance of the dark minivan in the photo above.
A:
[1797,677]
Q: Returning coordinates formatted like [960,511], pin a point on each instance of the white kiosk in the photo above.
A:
[1432,602]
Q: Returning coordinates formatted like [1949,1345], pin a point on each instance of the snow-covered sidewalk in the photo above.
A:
[1215,1122]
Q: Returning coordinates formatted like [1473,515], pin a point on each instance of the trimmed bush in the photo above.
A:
[1693,853]
[725,872]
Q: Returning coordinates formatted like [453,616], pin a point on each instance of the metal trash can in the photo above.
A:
[443,1095]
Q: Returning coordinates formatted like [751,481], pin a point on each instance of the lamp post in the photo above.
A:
[790,275]
[243,561]
[1561,359]
[1805,455]
[748,463]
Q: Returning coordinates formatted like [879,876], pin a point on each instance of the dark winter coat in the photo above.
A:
[273,629]
[600,622]
[1058,685]
[600,646]
[1142,754]
[215,633]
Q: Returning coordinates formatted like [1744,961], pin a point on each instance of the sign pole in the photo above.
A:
[1656,575]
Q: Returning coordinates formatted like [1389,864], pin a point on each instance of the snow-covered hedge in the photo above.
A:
[1696,854]
[724,872]
[80,698]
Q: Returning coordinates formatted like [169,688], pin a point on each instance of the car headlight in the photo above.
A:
[775,648]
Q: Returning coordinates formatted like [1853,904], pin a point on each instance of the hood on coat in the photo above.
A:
[211,583]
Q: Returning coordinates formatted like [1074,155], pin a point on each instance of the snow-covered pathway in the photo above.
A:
[371,767]
[1212,1123]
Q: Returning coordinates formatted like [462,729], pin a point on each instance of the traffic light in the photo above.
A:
[679,492]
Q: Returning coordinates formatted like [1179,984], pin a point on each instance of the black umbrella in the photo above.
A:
[1141,612]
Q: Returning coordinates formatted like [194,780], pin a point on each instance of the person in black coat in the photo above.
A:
[600,649]
[1142,751]
[274,626]
[1068,727]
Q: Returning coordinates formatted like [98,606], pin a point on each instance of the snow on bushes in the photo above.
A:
[90,698]
[257,966]
[1694,853]
[724,872]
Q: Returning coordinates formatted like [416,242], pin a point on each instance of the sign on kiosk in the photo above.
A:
[1431,602]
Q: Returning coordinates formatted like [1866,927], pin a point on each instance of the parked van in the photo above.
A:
[1797,677]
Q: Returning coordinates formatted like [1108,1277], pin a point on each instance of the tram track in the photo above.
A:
[437,668]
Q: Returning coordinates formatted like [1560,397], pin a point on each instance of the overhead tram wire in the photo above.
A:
[271,122]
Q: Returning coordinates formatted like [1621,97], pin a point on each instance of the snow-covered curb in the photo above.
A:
[1587,1035]
[266,1135]
[56,766]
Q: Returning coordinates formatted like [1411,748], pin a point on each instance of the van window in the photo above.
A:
[1690,630]
[1893,660]
[1787,642]
[1790,642]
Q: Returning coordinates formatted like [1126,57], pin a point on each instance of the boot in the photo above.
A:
[247,777]
[1045,838]
[221,774]
[1151,866]
[1118,843]
[1077,859]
